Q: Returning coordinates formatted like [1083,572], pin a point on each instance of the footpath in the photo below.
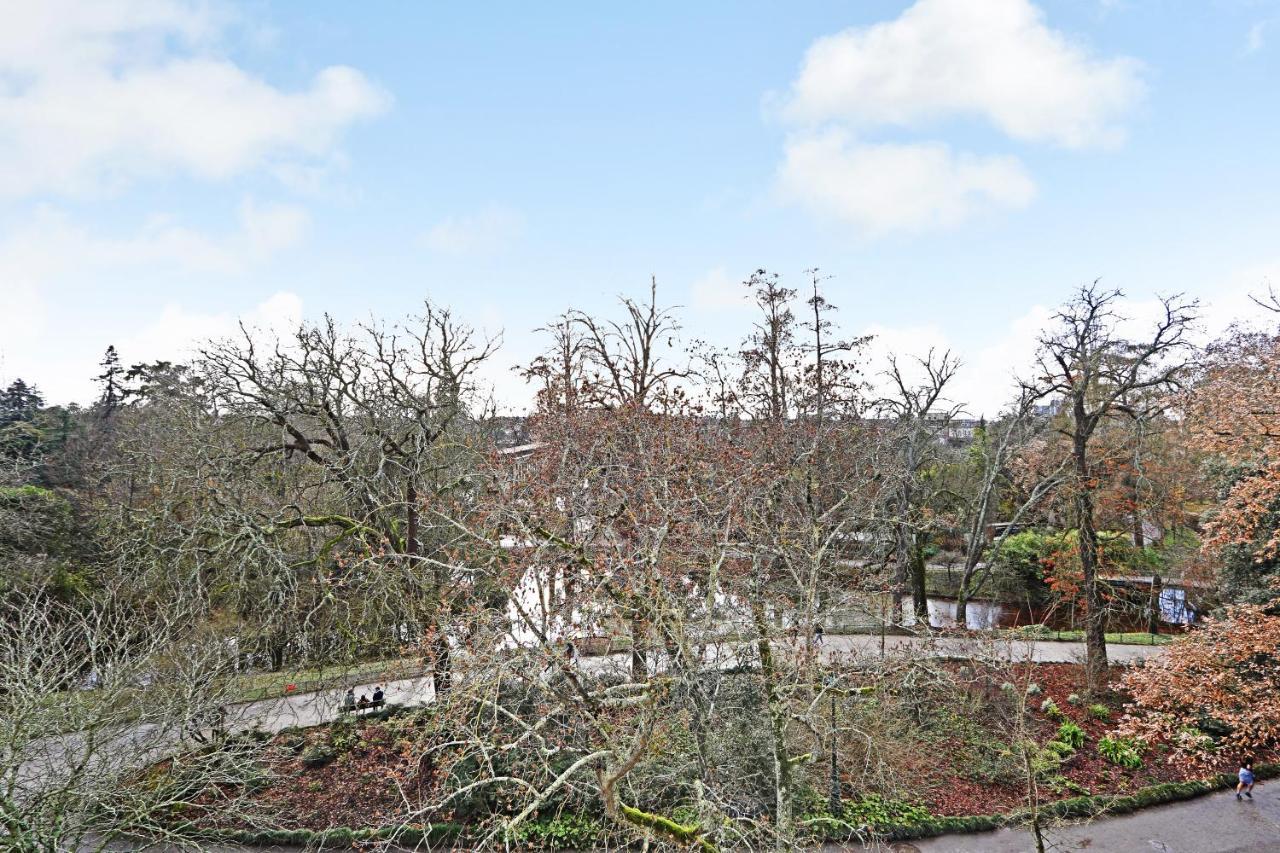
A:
[1216,823]
[309,709]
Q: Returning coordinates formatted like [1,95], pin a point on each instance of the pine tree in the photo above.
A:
[19,402]
[112,388]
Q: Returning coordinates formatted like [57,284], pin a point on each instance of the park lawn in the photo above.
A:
[1134,638]
[251,687]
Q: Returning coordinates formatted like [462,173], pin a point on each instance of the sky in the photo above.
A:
[956,168]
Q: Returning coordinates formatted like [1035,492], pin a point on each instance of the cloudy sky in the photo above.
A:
[957,167]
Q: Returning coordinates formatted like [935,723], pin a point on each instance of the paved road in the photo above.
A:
[1212,824]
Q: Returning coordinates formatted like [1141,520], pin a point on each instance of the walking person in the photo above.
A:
[379,698]
[349,701]
[818,637]
[1245,785]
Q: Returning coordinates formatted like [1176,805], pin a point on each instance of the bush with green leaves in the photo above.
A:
[1122,752]
[1061,749]
[1098,712]
[879,812]
[1072,734]
[1051,710]
[560,832]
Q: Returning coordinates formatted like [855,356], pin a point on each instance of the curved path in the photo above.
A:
[309,709]
[1216,823]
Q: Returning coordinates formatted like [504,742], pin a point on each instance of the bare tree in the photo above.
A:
[626,358]
[1097,374]
[991,454]
[100,703]
[380,417]
[920,416]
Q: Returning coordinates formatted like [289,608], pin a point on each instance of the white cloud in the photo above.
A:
[718,291]
[491,229]
[95,96]
[996,60]
[879,188]
[178,332]
[46,266]
[1256,38]
[271,227]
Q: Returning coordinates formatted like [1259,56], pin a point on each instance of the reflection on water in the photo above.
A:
[978,615]
[983,614]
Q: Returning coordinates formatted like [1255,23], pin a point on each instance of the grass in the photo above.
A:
[268,685]
[1132,638]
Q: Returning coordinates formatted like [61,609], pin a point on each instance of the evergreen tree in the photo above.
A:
[19,402]
[113,391]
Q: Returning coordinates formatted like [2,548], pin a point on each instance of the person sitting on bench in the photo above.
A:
[379,698]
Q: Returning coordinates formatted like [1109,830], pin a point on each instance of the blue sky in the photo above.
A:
[957,167]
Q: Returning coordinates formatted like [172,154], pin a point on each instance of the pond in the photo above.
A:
[1130,613]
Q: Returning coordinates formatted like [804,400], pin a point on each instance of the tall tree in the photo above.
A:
[1233,416]
[990,458]
[379,417]
[920,415]
[112,381]
[768,352]
[1085,361]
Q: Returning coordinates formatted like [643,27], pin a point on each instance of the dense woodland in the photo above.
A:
[348,495]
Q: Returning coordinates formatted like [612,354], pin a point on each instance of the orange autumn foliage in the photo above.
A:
[1222,678]
[1234,413]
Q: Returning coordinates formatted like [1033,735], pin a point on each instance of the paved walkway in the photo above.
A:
[1212,824]
[1041,651]
[309,709]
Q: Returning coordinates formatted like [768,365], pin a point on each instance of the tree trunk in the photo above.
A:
[1153,605]
[962,603]
[639,664]
[778,728]
[1095,624]
[441,668]
[411,525]
[919,596]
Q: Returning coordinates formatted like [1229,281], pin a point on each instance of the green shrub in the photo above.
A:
[560,832]
[1061,749]
[1051,710]
[319,755]
[1033,689]
[1072,734]
[878,812]
[1098,712]
[1075,699]
[1121,752]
